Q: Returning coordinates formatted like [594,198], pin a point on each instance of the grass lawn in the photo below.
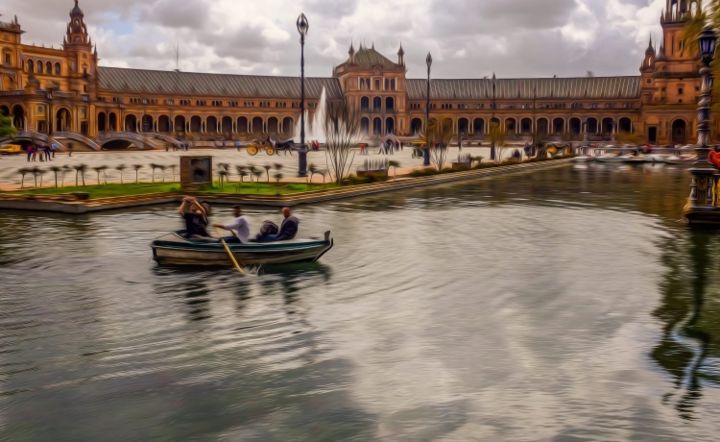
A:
[113,190]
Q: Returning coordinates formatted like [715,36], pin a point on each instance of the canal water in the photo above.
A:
[570,304]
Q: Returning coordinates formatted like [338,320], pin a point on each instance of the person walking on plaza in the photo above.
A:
[29,152]
[239,227]
[70,148]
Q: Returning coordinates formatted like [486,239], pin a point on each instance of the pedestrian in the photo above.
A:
[29,152]
[70,149]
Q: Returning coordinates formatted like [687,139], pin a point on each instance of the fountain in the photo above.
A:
[315,129]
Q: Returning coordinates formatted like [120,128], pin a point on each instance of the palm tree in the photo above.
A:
[24,171]
[36,171]
[223,174]
[278,176]
[99,170]
[121,168]
[173,168]
[80,172]
[267,171]
[153,166]
[56,170]
[257,173]
[162,170]
[137,167]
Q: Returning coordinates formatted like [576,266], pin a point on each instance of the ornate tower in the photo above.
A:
[670,78]
[77,34]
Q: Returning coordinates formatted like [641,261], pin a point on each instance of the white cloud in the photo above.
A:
[468,38]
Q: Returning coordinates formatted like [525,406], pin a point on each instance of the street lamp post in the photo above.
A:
[302,26]
[426,152]
[494,127]
[701,194]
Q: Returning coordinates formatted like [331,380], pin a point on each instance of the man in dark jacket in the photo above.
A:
[288,228]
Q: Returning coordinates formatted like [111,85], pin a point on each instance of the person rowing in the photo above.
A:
[239,227]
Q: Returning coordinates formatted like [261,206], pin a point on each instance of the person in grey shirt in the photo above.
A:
[240,228]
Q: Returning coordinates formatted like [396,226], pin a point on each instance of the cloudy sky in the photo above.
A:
[468,38]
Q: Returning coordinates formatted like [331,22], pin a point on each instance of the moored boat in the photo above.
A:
[174,249]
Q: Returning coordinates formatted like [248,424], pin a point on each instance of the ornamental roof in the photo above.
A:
[523,88]
[370,58]
[212,85]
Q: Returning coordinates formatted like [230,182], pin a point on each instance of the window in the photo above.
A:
[680,91]
[7,58]
[39,67]
[58,69]
[217,103]
[377,84]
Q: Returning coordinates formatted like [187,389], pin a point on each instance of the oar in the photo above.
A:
[232,257]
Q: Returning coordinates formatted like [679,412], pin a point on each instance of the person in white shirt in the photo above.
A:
[240,228]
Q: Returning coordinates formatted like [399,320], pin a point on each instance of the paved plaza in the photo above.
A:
[10,178]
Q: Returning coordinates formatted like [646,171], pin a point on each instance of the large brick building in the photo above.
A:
[65,91]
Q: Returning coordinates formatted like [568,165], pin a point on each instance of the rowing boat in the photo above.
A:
[174,249]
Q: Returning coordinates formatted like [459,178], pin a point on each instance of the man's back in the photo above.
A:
[288,229]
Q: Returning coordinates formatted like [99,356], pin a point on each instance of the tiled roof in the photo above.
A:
[212,85]
[578,88]
[369,58]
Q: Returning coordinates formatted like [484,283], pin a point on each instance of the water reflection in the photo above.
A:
[686,348]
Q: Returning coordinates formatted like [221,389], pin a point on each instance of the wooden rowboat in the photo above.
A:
[174,249]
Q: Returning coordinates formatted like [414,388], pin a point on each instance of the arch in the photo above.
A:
[164,124]
[510,126]
[227,125]
[479,126]
[575,126]
[180,124]
[377,126]
[18,113]
[131,123]
[625,125]
[195,124]
[377,104]
[48,68]
[447,122]
[416,126]
[543,126]
[257,125]
[112,122]
[58,69]
[63,120]
[558,126]
[526,126]
[592,125]
[211,125]
[39,67]
[365,104]
[463,126]
[389,125]
[365,125]
[679,132]
[389,104]
[148,123]
[102,122]
[608,126]
[272,125]
[242,125]
[4,110]
[288,126]
[30,66]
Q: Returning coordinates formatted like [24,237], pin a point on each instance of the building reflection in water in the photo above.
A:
[687,350]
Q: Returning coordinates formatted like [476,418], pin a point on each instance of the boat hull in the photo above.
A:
[174,250]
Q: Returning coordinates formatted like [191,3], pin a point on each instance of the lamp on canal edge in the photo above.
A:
[701,202]
[302,26]
[426,152]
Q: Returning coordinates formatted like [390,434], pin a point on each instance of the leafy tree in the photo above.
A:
[342,127]
[497,138]
[710,16]
[6,127]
